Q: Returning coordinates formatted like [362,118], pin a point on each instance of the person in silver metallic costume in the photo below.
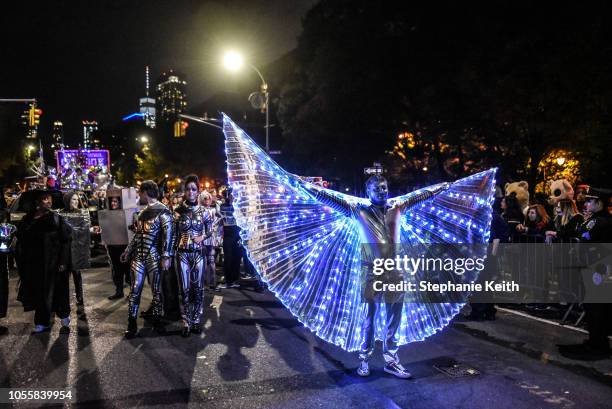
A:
[191,231]
[208,245]
[380,223]
[150,249]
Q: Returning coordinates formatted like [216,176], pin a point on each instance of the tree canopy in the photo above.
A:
[476,85]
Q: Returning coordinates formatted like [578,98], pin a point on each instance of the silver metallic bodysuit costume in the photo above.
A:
[153,239]
[208,245]
[378,224]
[192,220]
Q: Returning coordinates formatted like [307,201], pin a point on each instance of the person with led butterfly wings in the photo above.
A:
[379,223]
[305,242]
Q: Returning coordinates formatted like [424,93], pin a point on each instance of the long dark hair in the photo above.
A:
[150,188]
[541,218]
[191,179]
[513,211]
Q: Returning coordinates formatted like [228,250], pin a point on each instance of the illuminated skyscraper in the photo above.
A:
[147,109]
[171,97]
[57,135]
[147,104]
[89,127]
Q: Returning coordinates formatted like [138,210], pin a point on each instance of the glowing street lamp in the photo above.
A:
[233,61]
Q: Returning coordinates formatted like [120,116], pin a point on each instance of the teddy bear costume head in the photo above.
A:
[520,190]
[560,190]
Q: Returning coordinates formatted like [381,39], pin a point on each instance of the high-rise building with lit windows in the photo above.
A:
[89,128]
[171,97]
[147,109]
[147,104]
[57,135]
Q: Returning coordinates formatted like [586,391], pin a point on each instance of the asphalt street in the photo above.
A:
[253,354]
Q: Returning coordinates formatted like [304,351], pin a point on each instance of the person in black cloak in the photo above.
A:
[43,252]
[6,238]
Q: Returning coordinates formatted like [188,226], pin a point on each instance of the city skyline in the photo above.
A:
[86,60]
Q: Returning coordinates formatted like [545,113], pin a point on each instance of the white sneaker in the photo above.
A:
[65,322]
[364,369]
[396,369]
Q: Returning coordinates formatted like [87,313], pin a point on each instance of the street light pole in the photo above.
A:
[233,61]
[18,100]
[264,88]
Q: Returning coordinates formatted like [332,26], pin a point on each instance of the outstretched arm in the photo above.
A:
[426,194]
[335,202]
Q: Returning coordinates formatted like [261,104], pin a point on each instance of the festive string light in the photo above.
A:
[310,254]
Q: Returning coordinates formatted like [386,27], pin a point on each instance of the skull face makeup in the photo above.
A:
[377,191]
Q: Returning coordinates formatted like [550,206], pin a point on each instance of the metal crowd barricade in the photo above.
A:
[547,272]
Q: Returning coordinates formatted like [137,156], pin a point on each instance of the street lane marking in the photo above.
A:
[523,314]
[547,396]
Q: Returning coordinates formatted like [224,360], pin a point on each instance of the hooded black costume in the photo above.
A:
[4,279]
[43,249]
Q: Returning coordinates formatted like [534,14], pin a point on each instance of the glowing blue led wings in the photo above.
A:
[459,215]
[309,254]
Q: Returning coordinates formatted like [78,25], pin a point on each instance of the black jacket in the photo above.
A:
[598,228]
[43,245]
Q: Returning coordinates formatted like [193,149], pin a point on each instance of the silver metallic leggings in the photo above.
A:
[140,268]
[190,271]
[393,319]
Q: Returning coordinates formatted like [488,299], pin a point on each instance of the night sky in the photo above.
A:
[86,59]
